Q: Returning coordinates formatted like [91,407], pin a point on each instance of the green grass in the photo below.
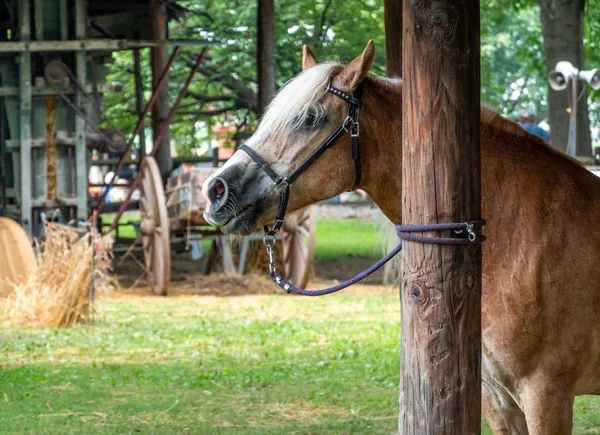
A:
[209,365]
[125,231]
[264,365]
[339,239]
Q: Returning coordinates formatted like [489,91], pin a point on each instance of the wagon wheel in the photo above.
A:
[154,226]
[298,245]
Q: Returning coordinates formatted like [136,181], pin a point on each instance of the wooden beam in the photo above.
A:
[94,45]
[159,59]
[81,177]
[64,20]
[25,118]
[139,100]
[266,53]
[441,297]
[393,37]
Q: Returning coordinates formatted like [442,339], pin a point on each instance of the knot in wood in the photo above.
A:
[442,22]
[418,293]
[470,281]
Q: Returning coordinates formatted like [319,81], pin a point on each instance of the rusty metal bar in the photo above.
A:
[140,124]
[160,135]
[51,151]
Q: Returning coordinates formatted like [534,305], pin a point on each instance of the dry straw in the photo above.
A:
[58,293]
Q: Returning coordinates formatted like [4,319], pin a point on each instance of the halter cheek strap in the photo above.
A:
[350,124]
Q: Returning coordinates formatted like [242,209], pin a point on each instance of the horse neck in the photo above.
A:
[381,144]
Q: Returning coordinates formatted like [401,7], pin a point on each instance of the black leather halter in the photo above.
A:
[350,124]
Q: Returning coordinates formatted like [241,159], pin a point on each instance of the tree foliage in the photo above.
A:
[224,91]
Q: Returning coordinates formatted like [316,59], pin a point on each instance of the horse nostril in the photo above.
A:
[218,191]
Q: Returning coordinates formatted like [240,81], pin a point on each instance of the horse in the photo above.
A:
[540,278]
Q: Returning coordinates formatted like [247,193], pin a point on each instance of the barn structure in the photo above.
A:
[53,57]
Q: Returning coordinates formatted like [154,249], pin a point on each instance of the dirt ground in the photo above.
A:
[187,278]
[233,286]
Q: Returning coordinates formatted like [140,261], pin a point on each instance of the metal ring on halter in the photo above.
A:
[348,122]
[283,184]
[269,240]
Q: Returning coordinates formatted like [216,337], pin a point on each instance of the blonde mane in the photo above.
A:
[301,97]
[297,99]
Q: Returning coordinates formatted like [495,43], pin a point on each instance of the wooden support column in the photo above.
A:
[25,117]
[64,20]
[159,59]
[266,53]
[139,100]
[440,389]
[393,37]
[81,170]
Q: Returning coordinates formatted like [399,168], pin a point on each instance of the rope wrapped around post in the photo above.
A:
[469,233]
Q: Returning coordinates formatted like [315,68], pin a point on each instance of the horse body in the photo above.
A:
[541,279]
[541,295]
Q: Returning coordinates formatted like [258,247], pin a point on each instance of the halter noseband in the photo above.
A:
[350,124]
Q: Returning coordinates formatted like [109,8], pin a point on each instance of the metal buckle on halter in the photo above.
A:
[277,225]
[282,184]
[354,129]
[348,122]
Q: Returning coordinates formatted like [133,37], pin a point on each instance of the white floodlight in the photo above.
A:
[592,77]
[559,78]
[561,75]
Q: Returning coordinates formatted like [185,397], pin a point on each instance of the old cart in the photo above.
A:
[178,212]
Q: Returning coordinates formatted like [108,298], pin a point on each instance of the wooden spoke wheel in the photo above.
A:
[298,245]
[154,227]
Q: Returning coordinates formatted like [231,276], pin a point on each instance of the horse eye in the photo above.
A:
[311,121]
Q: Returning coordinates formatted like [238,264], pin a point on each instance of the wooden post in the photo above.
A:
[440,389]
[25,115]
[139,101]
[81,152]
[266,53]
[159,59]
[393,37]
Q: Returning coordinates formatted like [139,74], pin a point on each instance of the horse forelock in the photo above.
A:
[297,99]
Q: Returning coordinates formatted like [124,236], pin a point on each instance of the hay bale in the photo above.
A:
[58,292]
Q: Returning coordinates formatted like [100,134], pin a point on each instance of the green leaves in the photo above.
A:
[221,103]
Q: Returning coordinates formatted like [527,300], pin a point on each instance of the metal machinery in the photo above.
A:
[53,56]
[52,66]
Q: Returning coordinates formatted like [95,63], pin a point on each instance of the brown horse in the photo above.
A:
[541,277]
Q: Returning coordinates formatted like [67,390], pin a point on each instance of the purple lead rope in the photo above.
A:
[465,230]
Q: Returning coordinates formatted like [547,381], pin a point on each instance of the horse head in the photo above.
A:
[305,113]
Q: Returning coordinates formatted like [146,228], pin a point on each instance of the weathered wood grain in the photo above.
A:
[393,37]
[441,295]
[158,61]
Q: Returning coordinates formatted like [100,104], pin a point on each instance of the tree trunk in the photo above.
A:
[440,382]
[562,28]
[393,37]
[158,60]
[266,53]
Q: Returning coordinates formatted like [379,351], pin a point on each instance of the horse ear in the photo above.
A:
[357,70]
[308,58]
